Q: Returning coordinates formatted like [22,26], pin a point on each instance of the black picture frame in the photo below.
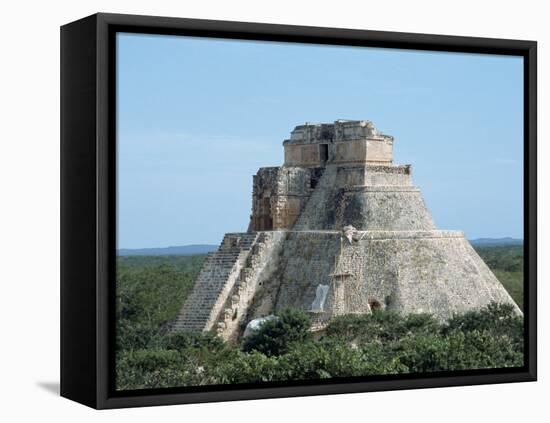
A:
[88,152]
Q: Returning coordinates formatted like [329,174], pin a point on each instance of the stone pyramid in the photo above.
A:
[338,229]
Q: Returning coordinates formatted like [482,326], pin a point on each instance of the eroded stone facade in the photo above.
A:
[278,196]
[338,219]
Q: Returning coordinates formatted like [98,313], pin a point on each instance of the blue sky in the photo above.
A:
[197,117]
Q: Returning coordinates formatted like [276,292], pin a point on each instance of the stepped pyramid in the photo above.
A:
[338,229]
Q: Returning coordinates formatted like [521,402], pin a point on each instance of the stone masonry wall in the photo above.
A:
[367,197]
[279,196]
[408,271]
[383,208]
[258,268]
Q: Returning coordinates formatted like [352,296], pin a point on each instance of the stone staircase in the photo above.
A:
[245,287]
[220,270]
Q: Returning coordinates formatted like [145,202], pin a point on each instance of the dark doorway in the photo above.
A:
[374,304]
[323,152]
[264,220]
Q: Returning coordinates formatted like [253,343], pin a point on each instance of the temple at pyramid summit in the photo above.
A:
[339,228]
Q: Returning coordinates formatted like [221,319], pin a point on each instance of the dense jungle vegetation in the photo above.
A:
[506,262]
[151,290]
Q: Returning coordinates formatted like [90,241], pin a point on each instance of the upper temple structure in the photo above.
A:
[338,229]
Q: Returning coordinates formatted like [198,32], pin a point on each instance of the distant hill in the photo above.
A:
[187,250]
[182,250]
[496,242]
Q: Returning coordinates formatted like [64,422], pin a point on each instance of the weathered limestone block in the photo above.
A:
[338,201]
[344,141]
[383,208]
[407,271]
[340,130]
[256,272]
[279,195]
[214,283]
[373,175]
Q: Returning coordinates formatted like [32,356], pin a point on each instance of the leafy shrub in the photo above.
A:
[457,351]
[500,320]
[149,360]
[150,291]
[275,336]
[507,264]
[321,360]
[183,340]
[381,360]
[482,350]
[380,326]
[507,258]
[149,294]
[252,367]
[136,335]
[283,349]
[160,369]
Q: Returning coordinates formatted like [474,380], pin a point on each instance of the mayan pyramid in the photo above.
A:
[338,229]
